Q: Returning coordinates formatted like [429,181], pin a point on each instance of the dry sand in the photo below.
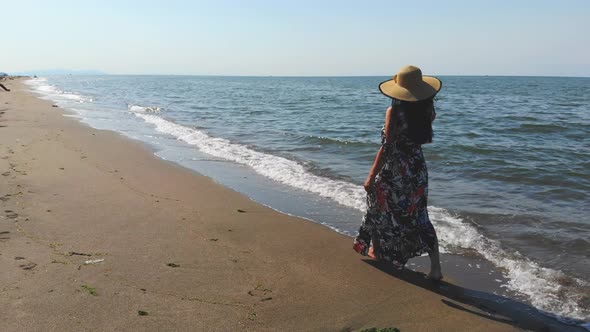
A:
[190,254]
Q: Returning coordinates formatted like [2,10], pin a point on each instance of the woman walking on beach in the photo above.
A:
[396,226]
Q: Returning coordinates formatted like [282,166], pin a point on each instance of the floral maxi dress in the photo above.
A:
[396,223]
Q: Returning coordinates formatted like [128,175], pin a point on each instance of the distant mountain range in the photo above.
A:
[46,72]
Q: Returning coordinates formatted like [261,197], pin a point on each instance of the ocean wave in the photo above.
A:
[41,86]
[276,168]
[323,140]
[539,128]
[543,287]
[144,109]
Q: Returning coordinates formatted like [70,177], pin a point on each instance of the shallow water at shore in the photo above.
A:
[509,166]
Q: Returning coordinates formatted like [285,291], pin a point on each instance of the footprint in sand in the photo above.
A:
[5,197]
[261,292]
[28,266]
[3,236]
[11,214]
[6,174]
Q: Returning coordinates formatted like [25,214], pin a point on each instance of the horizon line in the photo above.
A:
[31,73]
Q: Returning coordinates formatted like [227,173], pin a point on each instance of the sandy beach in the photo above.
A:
[97,234]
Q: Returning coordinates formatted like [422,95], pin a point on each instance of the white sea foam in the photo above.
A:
[144,109]
[540,285]
[280,169]
[41,86]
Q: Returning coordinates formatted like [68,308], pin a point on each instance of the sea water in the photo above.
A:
[509,167]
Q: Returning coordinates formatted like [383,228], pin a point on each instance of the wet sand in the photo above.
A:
[98,234]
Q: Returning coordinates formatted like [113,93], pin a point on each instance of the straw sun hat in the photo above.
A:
[410,85]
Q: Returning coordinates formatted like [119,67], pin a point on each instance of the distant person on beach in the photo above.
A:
[2,78]
[396,226]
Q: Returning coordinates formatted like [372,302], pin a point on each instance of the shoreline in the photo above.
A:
[75,189]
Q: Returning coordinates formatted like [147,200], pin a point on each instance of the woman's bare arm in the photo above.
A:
[378,164]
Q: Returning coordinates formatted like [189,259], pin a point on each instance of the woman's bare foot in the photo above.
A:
[372,253]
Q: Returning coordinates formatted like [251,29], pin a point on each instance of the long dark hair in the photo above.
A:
[418,115]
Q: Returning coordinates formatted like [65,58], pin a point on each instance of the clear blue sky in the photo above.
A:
[255,37]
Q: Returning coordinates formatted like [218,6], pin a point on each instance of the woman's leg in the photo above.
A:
[435,270]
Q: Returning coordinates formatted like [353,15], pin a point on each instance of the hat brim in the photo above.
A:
[427,88]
